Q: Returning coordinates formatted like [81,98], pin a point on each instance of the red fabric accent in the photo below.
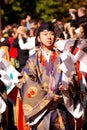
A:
[78,65]
[13,94]
[21,123]
[20,116]
[78,123]
[13,53]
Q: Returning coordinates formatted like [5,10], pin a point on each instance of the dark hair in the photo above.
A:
[44,26]
[84,25]
[82,20]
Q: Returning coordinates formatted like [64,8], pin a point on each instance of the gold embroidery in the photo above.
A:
[44,103]
[32,91]
[27,108]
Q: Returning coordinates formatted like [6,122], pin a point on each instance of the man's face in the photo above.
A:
[46,38]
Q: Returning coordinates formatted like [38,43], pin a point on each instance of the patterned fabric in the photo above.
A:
[39,71]
[35,100]
[6,49]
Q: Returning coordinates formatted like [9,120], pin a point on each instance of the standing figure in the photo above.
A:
[49,95]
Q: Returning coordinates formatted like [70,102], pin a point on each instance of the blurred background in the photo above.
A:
[13,10]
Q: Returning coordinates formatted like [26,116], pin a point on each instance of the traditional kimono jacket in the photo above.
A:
[46,76]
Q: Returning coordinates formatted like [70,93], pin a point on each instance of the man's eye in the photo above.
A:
[45,34]
[52,33]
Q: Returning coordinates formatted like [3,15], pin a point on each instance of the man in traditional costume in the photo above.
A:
[49,90]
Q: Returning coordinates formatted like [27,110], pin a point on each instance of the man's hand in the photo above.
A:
[57,97]
[62,88]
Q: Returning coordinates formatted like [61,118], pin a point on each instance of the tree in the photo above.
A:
[14,10]
[55,8]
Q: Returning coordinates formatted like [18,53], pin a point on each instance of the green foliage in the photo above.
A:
[55,8]
[14,10]
[16,6]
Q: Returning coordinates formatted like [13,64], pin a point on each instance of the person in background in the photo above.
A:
[82,14]
[22,22]
[23,55]
[40,21]
[4,44]
[13,52]
[30,42]
[74,18]
[59,27]
[28,20]
[34,23]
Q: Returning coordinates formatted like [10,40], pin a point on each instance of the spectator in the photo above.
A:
[30,42]
[74,18]
[28,20]
[82,16]
[23,55]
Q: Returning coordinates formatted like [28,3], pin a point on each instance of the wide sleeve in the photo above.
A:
[72,100]
[2,106]
[28,45]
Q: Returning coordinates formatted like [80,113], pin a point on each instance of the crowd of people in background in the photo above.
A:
[20,42]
